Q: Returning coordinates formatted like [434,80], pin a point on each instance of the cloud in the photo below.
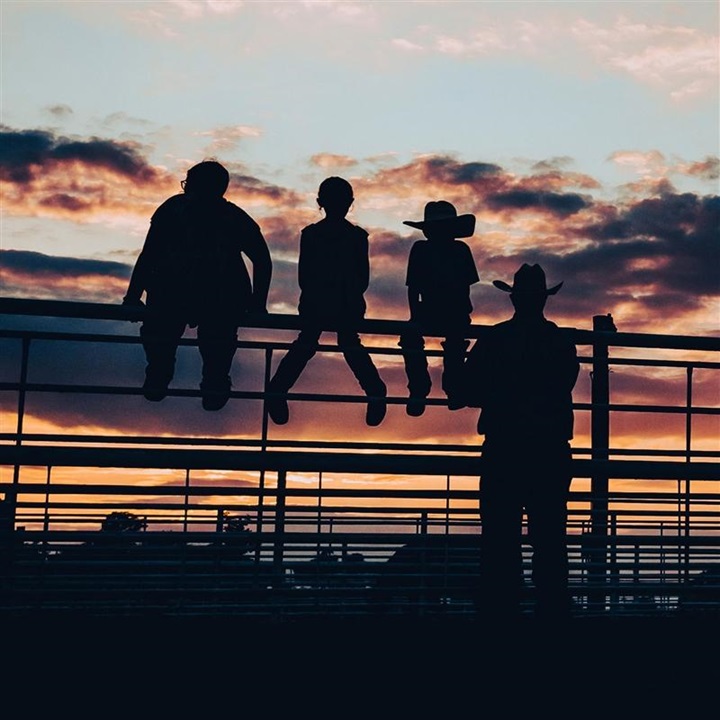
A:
[682,60]
[556,203]
[251,190]
[647,256]
[708,169]
[406,45]
[643,163]
[194,9]
[36,275]
[100,180]
[59,111]
[329,161]
[24,154]
[226,139]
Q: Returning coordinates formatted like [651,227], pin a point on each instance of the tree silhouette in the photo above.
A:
[237,533]
[122,522]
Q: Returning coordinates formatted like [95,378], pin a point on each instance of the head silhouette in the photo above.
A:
[335,196]
[208,179]
[529,291]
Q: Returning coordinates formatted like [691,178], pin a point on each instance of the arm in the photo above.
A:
[474,377]
[413,296]
[137,284]
[363,269]
[412,280]
[143,269]
[152,251]
[259,255]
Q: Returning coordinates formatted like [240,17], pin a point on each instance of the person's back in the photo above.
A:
[521,374]
[440,272]
[334,271]
[199,246]
[192,271]
[333,274]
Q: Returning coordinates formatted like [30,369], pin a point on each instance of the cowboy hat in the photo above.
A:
[442,215]
[528,279]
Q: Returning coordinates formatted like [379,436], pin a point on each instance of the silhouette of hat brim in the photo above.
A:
[458,226]
[528,280]
[511,289]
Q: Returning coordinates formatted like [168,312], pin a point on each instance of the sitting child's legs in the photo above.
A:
[160,334]
[416,370]
[288,371]
[217,342]
[453,363]
[364,370]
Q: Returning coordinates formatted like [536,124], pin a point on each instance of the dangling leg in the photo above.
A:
[288,372]
[454,349]
[217,341]
[416,371]
[160,334]
[364,370]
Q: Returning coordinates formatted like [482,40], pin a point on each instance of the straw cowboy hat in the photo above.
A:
[442,215]
[528,279]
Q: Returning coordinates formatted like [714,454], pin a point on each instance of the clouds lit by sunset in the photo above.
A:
[583,136]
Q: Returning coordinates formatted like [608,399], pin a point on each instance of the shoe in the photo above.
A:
[278,410]
[155,388]
[415,406]
[215,394]
[375,412]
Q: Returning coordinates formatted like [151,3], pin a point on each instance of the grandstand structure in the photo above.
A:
[255,521]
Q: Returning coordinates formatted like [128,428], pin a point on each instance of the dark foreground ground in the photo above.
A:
[390,667]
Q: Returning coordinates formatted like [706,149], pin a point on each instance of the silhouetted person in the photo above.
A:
[440,272]
[333,274]
[193,273]
[522,375]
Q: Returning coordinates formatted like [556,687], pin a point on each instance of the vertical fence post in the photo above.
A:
[24,362]
[688,458]
[263,446]
[186,506]
[278,551]
[600,439]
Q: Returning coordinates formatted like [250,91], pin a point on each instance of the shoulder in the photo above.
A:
[310,231]
[173,206]
[237,214]
[419,247]
[462,249]
[354,231]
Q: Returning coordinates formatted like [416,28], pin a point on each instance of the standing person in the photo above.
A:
[522,375]
[193,273]
[333,274]
[440,272]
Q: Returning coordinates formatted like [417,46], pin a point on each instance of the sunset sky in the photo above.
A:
[582,135]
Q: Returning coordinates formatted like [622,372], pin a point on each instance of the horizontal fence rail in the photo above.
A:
[255,524]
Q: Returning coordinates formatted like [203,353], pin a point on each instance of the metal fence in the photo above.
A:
[258,522]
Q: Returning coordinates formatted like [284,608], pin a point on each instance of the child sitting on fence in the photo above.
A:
[333,274]
[441,269]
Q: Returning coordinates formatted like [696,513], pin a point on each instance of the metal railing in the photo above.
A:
[259,522]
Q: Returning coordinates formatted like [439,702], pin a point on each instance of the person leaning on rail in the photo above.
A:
[521,375]
[193,273]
